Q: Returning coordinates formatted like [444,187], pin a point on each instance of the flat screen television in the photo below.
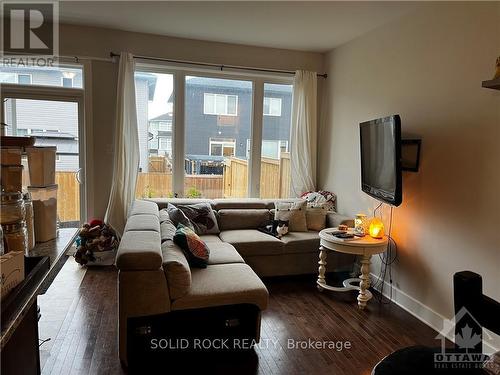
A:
[381,159]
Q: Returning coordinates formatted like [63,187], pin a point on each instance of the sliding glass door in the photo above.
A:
[47,103]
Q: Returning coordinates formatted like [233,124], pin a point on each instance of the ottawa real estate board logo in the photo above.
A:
[467,353]
[30,33]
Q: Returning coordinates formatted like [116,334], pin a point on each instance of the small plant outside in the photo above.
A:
[192,192]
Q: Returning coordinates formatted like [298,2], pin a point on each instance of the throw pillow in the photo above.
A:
[194,248]
[316,218]
[294,213]
[178,217]
[202,218]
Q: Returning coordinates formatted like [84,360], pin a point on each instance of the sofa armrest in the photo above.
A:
[139,251]
[334,219]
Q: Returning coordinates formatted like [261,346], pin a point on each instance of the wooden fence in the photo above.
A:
[274,177]
[159,185]
[68,196]
[274,183]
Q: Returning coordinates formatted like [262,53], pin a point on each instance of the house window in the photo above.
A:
[220,104]
[222,147]
[165,144]
[272,106]
[165,126]
[153,144]
[66,82]
[24,79]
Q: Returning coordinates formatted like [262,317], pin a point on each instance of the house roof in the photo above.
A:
[220,83]
[51,134]
[163,117]
[64,145]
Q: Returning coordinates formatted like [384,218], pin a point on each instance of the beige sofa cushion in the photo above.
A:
[243,218]
[139,250]
[316,218]
[294,212]
[223,253]
[301,242]
[239,203]
[143,207]
[251,242]
[142,222]
[176,268]
[223,284]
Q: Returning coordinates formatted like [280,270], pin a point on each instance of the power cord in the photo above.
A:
[386,259]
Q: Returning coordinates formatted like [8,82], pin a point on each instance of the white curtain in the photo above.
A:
[304,133]
[126,151]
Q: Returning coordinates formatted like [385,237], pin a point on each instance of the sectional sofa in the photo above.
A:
[160,295]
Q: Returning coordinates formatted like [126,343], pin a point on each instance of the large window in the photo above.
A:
[216,164]
[220,104]
[154,102]
[275,162]
[206,151]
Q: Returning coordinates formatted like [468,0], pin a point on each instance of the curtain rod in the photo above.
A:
[76,58]
[220,66]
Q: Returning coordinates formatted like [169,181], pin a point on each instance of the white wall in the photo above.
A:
[428,67]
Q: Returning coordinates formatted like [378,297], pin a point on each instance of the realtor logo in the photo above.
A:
[468,350]
[30,28]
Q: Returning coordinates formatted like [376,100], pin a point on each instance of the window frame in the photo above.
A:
[225,143]
[180,72]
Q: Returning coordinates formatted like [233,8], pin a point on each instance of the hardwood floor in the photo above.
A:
[79,314]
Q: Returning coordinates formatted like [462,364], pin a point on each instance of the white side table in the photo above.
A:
[364,246]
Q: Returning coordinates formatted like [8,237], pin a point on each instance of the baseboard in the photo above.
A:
[421,311]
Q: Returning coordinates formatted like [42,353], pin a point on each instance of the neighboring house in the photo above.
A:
[218,123]
[160,135]
[218,118]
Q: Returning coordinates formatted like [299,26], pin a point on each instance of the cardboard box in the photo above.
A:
[11,178]
[10,156]
[42,165]
[12,271]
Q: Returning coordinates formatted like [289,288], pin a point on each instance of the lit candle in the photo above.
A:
[359,224]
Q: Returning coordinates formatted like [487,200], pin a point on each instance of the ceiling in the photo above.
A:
[308,26]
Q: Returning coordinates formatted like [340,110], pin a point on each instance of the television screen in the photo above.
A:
[381,159]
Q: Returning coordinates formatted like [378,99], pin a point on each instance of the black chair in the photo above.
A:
[473,310]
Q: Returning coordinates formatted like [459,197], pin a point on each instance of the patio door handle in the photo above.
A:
[78,175]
